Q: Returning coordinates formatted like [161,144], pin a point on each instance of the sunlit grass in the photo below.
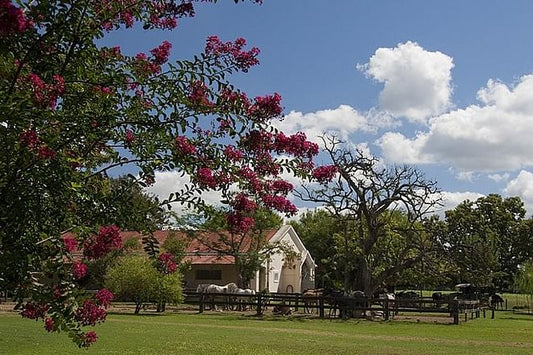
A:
[218,333]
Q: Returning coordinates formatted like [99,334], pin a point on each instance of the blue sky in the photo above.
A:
[443,85]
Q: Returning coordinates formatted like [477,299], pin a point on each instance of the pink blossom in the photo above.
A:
[281,186]
[232,52]
[129,137]
[107,239]
[46,153]
[324,173]
[12,19]
[104,297]
[89,338]
[70,244]
[205,177]
[280,203]
[49,324]
[238,223]
[33,310]
[184,146]
[161,53]
[198,94]
[167,263]
[29,138]
[233,153]
[79,270]
[266,107]
[242,203]
[90,313]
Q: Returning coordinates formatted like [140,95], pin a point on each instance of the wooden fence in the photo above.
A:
[338,307]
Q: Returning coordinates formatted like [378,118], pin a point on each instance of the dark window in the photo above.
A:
[208,274]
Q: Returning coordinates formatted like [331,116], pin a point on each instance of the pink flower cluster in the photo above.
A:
[233,153]
[165,14]
[12,19]
[280,186]
[198,95]
[113,52]
[167,264]
[324,173]
[70,244]
[107,239]
[29,138]
[205,177]
[34,311]
[229,99]
[103,297]
[242,203]
[238,223]
[251,178]
[144,67]
[279,203]
[265,107]
[296,144]
[49,324]
[44,94]
[90,313]
[46,153]
[161,53]
[184,146]
[129,137]
[232,52]
[79,270]
[87,338]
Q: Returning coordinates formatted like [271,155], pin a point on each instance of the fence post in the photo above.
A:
[201,309]
[321,307]
[386,310]
[455,312]
[296,303]
[260,304]
[492,316]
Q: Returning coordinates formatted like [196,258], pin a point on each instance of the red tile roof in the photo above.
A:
[198,250]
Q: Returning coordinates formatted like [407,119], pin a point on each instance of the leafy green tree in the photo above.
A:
[73,111]
[488,239]
[135,278]
[321,234]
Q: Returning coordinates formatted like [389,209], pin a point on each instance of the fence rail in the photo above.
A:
[340,306]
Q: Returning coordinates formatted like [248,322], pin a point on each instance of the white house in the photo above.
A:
[277,274]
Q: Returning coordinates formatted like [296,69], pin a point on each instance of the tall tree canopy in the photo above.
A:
[488,239]
[72,111]
[380,209]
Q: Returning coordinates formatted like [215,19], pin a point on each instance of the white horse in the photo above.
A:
[243,298]
[215,290]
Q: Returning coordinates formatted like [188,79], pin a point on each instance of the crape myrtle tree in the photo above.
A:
[73,111]
[380,210]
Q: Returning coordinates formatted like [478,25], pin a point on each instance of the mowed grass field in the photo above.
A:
[219,333]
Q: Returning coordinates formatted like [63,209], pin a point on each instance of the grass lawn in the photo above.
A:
[218,333]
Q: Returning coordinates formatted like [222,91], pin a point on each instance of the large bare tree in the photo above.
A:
[380,209]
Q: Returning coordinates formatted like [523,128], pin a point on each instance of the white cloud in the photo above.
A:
[167,182]
[417,83]
[341,122]
[397,148]
[499,177]
[450,200]
[494,136]
[522,186]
